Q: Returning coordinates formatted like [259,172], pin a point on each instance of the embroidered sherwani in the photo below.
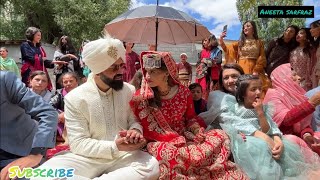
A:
[101,116]
[93,121]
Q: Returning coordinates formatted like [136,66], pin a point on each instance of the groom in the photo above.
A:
[104,137]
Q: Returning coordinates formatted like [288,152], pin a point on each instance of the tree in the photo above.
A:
[79,19]
[37,13]
[268,28]
[12,24]
[85,19]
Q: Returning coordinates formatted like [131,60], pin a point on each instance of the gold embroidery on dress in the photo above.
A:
[113,52]
[143,113]
[250,50]
[153,126]
[164,169]
[167,153]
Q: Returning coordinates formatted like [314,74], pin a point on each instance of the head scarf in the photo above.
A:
[291,94]
[145,91]
[100,54]
[9,64]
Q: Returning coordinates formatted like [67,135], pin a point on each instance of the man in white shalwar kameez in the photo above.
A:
[103,134]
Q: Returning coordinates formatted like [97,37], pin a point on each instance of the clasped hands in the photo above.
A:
[130,140]
[276,146]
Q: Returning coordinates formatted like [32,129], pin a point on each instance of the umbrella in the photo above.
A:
[156,25]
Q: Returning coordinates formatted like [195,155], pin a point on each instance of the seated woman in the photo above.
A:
[69,81]
[176,135]
[38,83]
[292,109]
[228,77]
[261,151]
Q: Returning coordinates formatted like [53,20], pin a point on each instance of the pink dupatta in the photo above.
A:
[285,95]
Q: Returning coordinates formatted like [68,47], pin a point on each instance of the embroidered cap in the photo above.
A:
[100,54]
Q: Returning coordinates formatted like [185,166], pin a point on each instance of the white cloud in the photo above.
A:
[217,12]
[136,3]
[177,4]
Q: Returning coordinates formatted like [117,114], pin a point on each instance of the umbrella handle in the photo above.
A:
[195,29]
[157,27]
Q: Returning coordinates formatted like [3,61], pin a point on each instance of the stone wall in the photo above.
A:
[14,51]
[191,50]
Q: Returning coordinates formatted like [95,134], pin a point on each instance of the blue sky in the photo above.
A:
[214,14]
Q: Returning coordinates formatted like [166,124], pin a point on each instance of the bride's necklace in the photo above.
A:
[164,93]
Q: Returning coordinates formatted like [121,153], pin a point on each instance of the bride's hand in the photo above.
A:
[200,136]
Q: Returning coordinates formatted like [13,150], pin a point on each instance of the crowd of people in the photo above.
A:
[115,114]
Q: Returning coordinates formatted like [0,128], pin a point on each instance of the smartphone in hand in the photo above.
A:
[225,28]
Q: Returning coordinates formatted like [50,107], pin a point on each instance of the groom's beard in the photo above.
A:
[113,83]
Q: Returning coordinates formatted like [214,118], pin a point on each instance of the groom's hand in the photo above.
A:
[124,145]
[132,135]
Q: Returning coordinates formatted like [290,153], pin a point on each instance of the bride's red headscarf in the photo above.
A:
[145,91]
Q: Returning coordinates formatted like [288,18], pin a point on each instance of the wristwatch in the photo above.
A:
[38,150]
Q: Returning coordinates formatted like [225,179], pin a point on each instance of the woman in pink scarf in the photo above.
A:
[292,109]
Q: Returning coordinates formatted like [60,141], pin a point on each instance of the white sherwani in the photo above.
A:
[93,119]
